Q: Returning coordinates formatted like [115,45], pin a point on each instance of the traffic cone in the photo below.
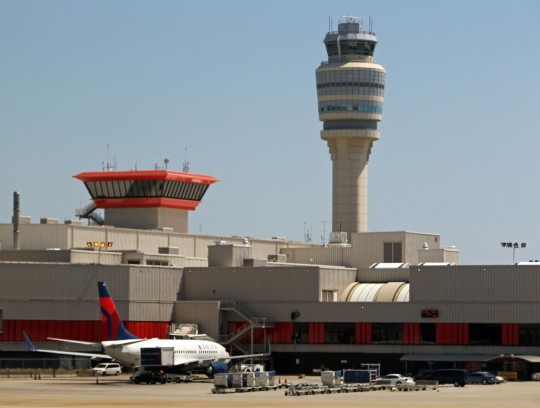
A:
[279,380]
[285,380]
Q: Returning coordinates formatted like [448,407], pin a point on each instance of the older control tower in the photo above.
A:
[350,94]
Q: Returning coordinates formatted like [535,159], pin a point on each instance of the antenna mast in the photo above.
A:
[108,166]
[323,235]
[307,233]
[185,168]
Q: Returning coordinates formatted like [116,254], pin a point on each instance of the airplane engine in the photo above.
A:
[217,367]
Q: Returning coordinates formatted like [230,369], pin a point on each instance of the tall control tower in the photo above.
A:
[350,94]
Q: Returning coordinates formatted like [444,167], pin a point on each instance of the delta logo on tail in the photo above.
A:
[110,318]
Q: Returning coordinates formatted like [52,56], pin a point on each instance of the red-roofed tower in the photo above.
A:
[147,199]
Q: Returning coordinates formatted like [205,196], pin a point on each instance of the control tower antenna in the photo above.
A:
[185,168]
[307,233]
[323,235]
[108,166]
[350,94]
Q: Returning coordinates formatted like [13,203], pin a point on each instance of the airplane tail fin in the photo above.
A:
[110,319]
[29,342]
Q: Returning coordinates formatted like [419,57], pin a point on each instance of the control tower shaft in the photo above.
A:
[350,94]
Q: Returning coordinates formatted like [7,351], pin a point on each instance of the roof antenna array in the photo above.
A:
[185,168]
[108,166]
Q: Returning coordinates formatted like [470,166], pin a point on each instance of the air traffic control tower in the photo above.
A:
[150,199]
[350,94]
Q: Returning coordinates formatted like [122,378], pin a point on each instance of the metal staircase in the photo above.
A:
[89,213]
[252,323]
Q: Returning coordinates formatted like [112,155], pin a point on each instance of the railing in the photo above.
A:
[88,212]
[233,306]
[68,363]
[251,322]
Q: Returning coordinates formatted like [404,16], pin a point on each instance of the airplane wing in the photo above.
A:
[86,343]
[70,353]
[247,356]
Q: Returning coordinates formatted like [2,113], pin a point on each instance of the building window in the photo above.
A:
[329,296]
[339,333]
[387,333]
[300,333]
[427,333]
[154,262]
[393,252]
[529,334]
[485,334]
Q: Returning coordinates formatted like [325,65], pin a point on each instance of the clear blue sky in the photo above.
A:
[234,83]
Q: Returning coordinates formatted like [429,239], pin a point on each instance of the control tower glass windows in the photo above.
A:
[146,188]
[351,106]
[348,48]
[350,82]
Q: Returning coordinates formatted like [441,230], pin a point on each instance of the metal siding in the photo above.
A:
[42,236]
[91,257]
[368,247]
[56,291]
[392,312]
[123,240]
[338,256]
[413,242]
[68,236]
[335,279]
[475,283]
[153,292]
[205,314]
[251,284]
[35,256]
[82,234]
[373,275]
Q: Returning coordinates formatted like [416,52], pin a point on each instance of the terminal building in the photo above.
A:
[396,298]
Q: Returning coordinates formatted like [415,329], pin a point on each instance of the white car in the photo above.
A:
[107,369]
[395,379]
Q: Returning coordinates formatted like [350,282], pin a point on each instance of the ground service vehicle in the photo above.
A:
[107,369]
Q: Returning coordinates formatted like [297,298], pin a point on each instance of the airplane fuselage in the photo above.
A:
[186,352]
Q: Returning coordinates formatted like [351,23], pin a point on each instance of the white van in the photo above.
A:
[107,369]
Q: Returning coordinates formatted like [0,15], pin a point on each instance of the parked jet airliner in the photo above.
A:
[125,348]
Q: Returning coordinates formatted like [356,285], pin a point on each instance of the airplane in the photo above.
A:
[127,349]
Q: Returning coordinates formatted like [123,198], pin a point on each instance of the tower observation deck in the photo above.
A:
[146,199]
[350,95]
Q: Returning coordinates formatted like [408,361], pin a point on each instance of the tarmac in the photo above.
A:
[73,391]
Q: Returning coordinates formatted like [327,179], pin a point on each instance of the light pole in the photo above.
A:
[514,246]
[99,246]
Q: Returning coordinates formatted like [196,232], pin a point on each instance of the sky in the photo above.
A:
[229,87]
